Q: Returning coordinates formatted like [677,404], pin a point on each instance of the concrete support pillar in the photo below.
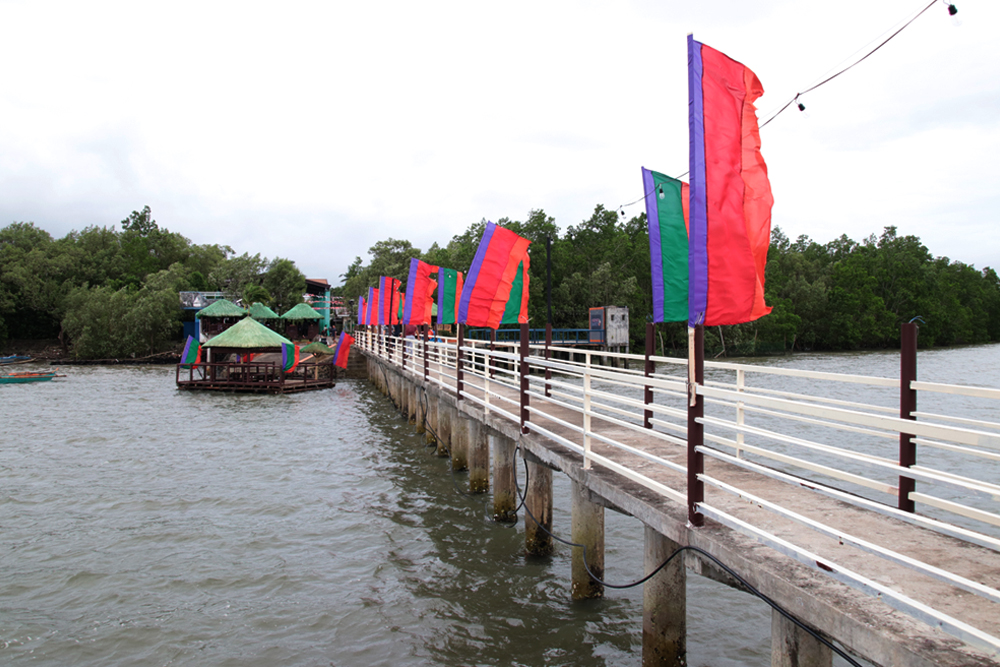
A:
[479,457]
[588,530]
[412,394]
[504,478]
[664,605]
[421,412]
[793,647]
[432,419]
[538,504]
[446,415]
[459,441]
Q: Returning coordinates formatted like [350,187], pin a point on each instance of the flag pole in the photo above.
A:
[695,429]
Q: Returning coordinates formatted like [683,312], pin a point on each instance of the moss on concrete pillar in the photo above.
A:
[446,415]
[459,441]
[479,457]
[587,529]
[664,605]
[538,504]
[504,478]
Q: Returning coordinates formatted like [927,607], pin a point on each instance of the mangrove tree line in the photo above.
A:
[841,295]
[109,292]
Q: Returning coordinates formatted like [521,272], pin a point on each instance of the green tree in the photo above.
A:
[285,283]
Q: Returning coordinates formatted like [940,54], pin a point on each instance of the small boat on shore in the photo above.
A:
[27,376]
[14,359]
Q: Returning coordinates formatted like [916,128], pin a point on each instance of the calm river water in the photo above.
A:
[140,525]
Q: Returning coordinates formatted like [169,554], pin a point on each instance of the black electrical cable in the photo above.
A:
[828,79]
[522,504]
[854,64]
[728,570]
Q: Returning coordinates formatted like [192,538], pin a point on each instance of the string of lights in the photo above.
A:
[952,11]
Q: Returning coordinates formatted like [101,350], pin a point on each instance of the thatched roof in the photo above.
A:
[259,311]
[221,308]
[302,311]
[247,334]
[316,348]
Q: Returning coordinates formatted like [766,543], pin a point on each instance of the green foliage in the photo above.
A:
[285,283]
[119,277]
[841,295]
[105,323]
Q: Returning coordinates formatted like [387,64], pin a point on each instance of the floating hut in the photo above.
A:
[219,316]
[302,321]
[249,357]
[265,316]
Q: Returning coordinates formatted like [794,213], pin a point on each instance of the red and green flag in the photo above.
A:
[516,310]
[449,295]
[289,357]
[191,356]
[667,219]
[491,277]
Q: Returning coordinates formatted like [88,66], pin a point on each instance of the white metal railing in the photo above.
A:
[798,428]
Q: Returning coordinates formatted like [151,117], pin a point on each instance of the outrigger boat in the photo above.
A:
[28,376]
[14,359]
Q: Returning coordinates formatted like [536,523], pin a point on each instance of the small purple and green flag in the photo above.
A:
[191,356]
[289,357]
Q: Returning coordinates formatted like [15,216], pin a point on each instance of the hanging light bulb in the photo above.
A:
[660,191]
[802,107]
[953,13]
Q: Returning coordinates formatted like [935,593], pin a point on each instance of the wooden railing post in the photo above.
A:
[907,406]
[525,352]
[650,368]
[695,430]
[459,385]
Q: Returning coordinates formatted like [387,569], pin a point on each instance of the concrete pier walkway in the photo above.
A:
[865,622]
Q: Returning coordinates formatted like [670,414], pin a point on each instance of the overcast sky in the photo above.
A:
[311,130]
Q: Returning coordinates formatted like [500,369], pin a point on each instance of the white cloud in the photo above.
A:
[314,130]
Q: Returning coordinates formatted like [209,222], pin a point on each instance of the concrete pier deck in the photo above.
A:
[861,622]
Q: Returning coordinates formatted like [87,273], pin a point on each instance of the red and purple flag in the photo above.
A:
[388,311]
[494,269]
[343,349]
[361,310]
[371,318]
[419,292]
[730,210]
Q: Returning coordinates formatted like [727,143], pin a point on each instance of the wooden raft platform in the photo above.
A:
[257,377]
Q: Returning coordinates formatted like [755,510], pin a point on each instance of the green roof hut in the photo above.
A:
[265,316]
[261,372]
[302,322]
[218,317]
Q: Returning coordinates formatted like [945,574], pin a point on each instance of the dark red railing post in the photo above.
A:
[427,362]
[525,352]
[459,384]
[695,430]
[548,354]
[650,368]
[907,406]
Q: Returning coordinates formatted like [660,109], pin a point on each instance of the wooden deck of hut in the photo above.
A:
[263,373]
